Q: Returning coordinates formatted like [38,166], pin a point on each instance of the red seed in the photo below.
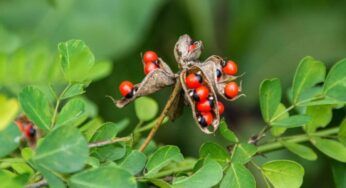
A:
[193,80]
[148,67]
[231,89]
[150,56]
[230,68]
[220,107]
[126,88]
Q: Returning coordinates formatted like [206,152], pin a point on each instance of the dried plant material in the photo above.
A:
[187,50]
[192,102]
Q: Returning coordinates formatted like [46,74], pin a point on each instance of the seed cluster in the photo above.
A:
[201,82]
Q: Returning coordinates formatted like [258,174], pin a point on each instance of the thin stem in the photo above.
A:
[37,184]
[295,139]
[281,113]
[171,171]
[162,116]
[108,142]
[58,100]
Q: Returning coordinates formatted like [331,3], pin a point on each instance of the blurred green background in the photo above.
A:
[266,38]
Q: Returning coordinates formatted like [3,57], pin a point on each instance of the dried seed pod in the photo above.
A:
[187,50]
[153,81]
[192,102]
[210,68]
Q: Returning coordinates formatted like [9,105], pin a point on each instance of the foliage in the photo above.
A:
[76,149]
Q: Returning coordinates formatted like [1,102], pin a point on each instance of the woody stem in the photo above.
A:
[162,116]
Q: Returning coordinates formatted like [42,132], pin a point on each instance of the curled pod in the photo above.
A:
[212,67]
[152,82]
[186,50]
[207,122]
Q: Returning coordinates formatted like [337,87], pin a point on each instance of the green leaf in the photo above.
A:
[88,129]
[243,153]
[207,176]
[74,90]
[342,132]
[284,173]
[146,108]
[301,150]
[309,73]
[215,152]
[281,110]
[320,117]
[335,84]
[100,70]
[76,60]
[108,176]
[339,174]
[160,183]
[8,111]
[63,150]
[331,148]
[134,162]
[72,113]
[161,158]
[109,152]
[8,179]
[238,176]
[54,179]
[270,97]
[292,121]
[227,133]
[9,139]
[36,106]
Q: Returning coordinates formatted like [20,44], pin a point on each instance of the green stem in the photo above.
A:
[58,100]
[295,139]
[171,171]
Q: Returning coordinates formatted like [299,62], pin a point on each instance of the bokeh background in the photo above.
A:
[266,38]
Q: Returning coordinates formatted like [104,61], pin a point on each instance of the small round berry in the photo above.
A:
[193,80]
[218,73]
[126,89]
[231,89]
[199,94]
[149,56]
[220,107]
[206,105]
[150,67]
[205,118]
[30,131]
[230,68]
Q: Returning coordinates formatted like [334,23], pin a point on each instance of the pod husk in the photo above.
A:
[209,67]
[192,103]
[152,82]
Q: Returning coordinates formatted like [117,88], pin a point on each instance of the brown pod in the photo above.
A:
[152,82]
[210,68]
[186,49]
[192,102]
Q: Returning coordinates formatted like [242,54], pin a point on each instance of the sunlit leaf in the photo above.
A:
[146,108]
[227,133]
[292,121]
[335,84]
[243,153]
[238,176]
[9,139]
[331,148]
[320,117]
[283,114]
[284,173]
[342,132]
[270,97]
[215,152]
[8,111]
[72,113]
[301,150]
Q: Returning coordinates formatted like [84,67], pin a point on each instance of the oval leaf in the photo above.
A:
[342,132]
[215,152]
[243,153]
[331,148]
[292,121]
[9,139]
[8,111]
[284,173]
[134,162]
[36,106]
[309,73]
[207,176]
[281,110]
[64,150]
[301,150]
[227,133]
[76,60]
[270,97]
[335,84]
[146,108]
[320,117]
[72,114]
[238,176]
[105,177]
[161,158]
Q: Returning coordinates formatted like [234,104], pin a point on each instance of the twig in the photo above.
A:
[256,138]
[58,100]
[162,116]
[107,142]
[37,184]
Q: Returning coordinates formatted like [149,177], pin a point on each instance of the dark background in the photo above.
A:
[266,38]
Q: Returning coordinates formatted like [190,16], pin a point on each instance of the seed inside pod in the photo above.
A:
[193,80]
[207,105]
[205,118]
[231,89]
[218,73]
[199,94]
